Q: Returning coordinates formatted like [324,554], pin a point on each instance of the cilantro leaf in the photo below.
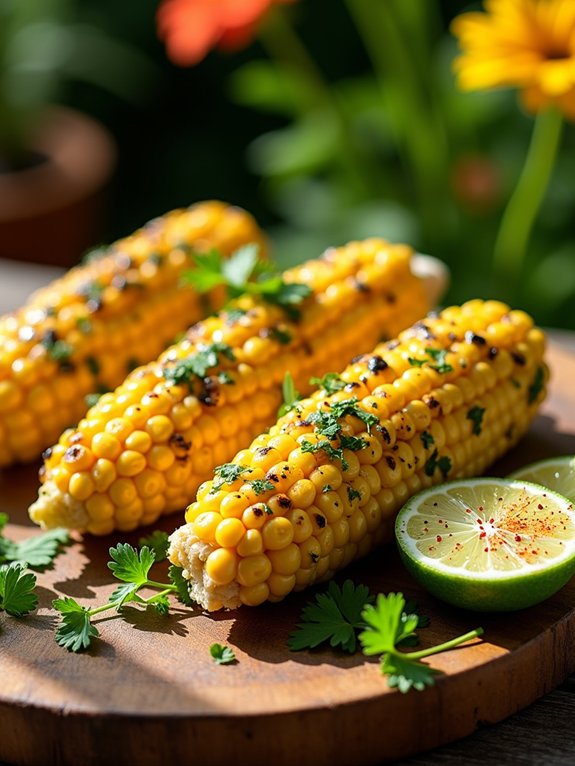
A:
[129,565]
[37,552]
[331,383]
[434,461]
[261,486]
[161,603]
[475,414]
[240,268]
[227,473]
[335,617]
[75,631]
[207,273]
[181,584]
[438,355]
[195,367]
[390,624]
[404,674]
[123,593]
[3,521]
[158,542]
[17,595]
[290,395]
[222,655]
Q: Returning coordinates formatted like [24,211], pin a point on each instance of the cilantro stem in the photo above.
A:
[160,585]
[156,596]
[445,646]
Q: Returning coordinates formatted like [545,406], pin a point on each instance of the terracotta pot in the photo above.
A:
[51,213]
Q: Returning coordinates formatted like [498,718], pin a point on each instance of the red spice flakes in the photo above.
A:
[439,538]
[540,506]
[517,538]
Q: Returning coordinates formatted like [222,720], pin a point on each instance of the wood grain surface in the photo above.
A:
[148,691]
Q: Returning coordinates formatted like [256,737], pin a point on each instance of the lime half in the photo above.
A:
[556,473]
[488,544]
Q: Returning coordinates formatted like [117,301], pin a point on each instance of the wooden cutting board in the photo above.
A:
[148,691]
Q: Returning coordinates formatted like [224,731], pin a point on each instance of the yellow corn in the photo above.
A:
[144,450]
[85,331]
[446,399]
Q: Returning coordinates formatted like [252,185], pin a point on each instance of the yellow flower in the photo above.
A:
[528,44]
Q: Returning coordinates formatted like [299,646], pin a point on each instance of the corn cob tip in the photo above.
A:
[323,486]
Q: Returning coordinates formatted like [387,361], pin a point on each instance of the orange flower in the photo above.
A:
[191,28]
[528,44]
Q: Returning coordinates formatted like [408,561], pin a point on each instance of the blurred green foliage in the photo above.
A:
[342,121]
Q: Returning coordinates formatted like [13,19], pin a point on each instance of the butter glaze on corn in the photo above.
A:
[144,450]
[84,331]
[440,415]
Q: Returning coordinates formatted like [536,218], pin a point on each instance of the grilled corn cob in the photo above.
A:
[82,333]
[322,488]
[145,449]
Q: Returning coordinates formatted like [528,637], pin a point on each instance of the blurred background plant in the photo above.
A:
[337,119]
[44,44]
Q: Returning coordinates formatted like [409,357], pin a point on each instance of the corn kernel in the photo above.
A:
[254,570]
[222,566]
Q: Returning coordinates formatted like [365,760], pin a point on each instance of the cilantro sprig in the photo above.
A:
[37,552]
[246,273]
[346,616]
[132,567]
[388,627]
[437,355]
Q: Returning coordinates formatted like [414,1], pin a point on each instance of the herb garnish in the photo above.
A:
[536,386]
[388,627]
[334,616]
[76,630]
[331,383]
[290,395]
[158,542]
[434,462]
[353,494]
[37,552]
[426,439]
[342,616]
[195,366]
[438,355]
[229,472]
[245,273]
[475,414]
[222,655]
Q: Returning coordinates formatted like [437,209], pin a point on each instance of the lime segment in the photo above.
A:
[488,544]
[556,473]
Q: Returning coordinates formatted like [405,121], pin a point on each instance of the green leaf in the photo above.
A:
[129,565]
[475,414]
[239,269]
[158,542]
[335,617]
[222,655]
[124,593]
[331,383]
[290,395]
[404,674]
[3,521]
[17,595]
[75,631]
[182,585]
[161,603]
[261,486]
[38,552]
[207,273]
[384,624]
[227,474]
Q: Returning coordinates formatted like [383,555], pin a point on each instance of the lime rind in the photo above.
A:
[488,588]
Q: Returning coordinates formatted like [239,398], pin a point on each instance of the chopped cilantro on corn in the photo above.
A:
[144,449]
[82,333]
[323,486]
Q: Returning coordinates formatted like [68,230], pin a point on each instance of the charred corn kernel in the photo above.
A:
[196,419]
[87,329]
[366,465]
[302,527]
